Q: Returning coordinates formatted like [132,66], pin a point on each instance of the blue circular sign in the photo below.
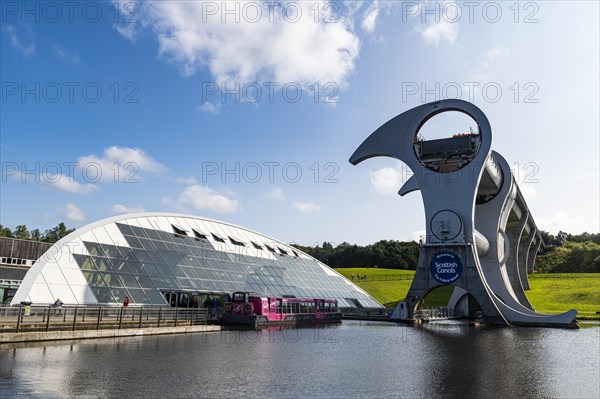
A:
[446,267]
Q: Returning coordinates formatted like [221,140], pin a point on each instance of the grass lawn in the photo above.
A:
[550,293]
[559,292]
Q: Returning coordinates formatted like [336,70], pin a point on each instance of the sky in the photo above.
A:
[247,112]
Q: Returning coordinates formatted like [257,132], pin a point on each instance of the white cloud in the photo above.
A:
[62,53]
[73,213]
[370,18]
[441,31]
[68,184]
[188,181]
[119,164]
[119,209]
[24,45]
[306,207]
[211,108]
[276,194]
[386,180]
[206,199]
[257,47]
[497,52]
[416,236]
[553,223]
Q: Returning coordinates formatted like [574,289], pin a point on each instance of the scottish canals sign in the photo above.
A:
[446,267]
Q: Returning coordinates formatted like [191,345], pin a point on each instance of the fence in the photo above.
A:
[381,277]
[49,318]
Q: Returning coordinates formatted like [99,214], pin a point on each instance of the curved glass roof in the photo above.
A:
[144,256]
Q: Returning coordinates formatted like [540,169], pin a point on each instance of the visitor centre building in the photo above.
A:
[168,259]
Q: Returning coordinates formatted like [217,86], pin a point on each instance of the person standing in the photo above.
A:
[58,305]
[125,305]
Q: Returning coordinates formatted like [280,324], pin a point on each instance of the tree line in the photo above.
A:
[569,253]
[387,254]
[50,235]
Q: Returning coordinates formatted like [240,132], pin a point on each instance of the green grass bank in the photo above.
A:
[550,293]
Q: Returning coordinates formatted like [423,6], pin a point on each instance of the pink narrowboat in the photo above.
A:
[245,309]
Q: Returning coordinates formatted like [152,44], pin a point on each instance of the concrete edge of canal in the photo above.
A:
[6,338]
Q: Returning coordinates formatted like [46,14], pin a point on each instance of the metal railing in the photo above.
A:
[433,313]
[73,318]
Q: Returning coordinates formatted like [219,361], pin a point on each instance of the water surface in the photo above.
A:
[352,360]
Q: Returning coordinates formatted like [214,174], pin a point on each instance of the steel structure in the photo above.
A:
[480,235]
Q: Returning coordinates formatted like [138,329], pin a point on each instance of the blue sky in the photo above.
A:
[248,113]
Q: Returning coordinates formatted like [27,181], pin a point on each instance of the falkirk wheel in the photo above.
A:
[480,235]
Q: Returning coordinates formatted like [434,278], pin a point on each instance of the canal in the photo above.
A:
[352,360]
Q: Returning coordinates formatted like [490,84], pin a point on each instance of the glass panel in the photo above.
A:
[158,282]
[152,234]
[129,280]
[168,258]
[150,268]
[138,231]
[120,266]
[155,256]
[202,273]
[94,249]
[160,268]
[147,244]
[93,278]
[166,237]
[112,280]
[176,270]
[161,246]
[138,296]
[144,281]
[111,251]
[104,264]
[135,267]
[171,282]
[189,272]
[85,262]
[155,297]
[184,282]
[133,242]
[125,229]
[120,294]
[103,294]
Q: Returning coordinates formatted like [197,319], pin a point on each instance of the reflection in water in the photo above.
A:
[355,359]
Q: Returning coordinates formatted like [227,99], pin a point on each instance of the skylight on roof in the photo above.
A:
[200,235]
[178,230]
[217,238]
[237,241]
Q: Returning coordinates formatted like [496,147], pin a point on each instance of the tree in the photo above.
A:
[5,232]
[36,235]
[56,233]
[21,232]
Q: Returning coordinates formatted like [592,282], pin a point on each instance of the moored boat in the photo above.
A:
[246,309]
